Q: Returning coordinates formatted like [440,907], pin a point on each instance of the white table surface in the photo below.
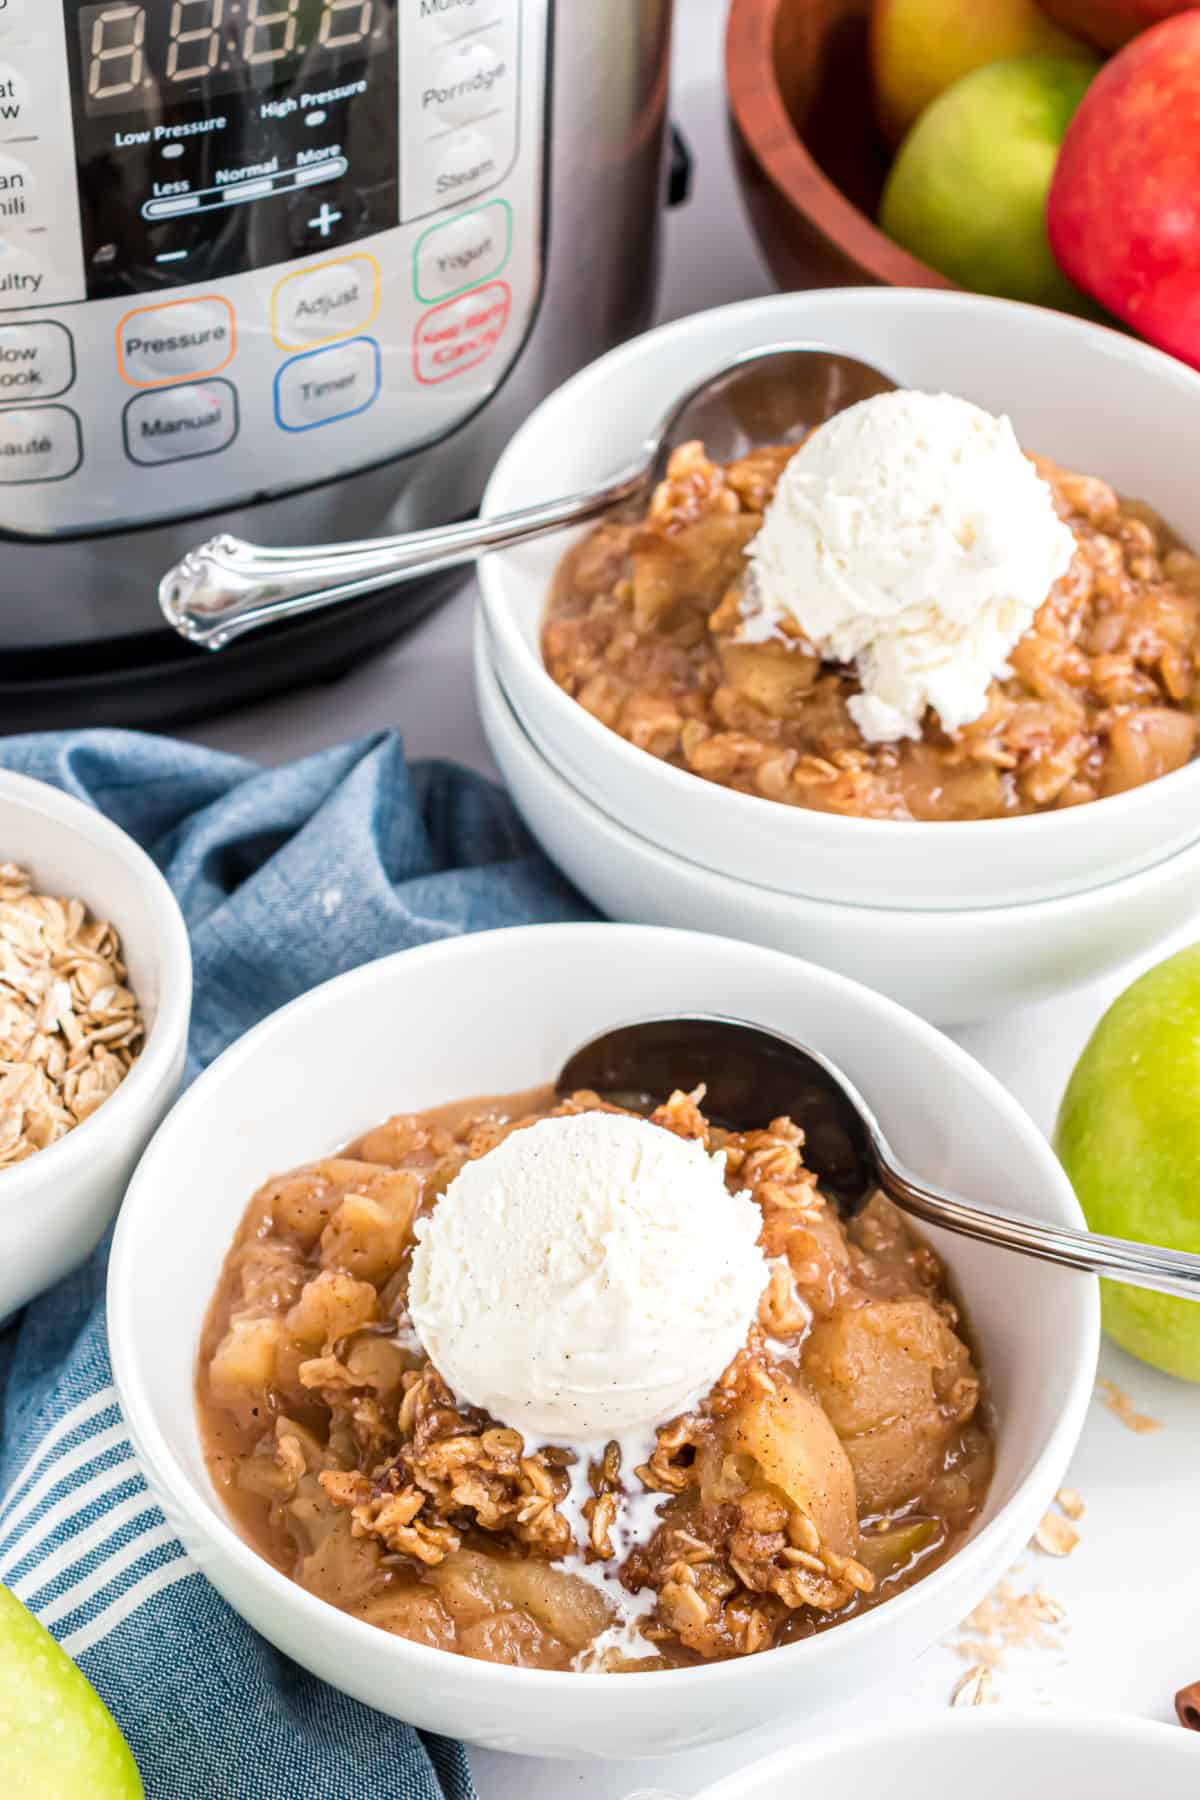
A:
[1132,1587]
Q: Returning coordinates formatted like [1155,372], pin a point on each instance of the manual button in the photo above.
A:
[37,361]
[177,423]
[329,301]
[39,443]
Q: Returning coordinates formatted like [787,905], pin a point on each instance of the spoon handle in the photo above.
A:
[1140,1265]
[226,587]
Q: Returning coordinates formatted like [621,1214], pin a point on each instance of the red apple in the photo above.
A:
[1124,208]
[1110,23]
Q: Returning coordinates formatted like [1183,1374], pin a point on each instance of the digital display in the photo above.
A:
[135,57]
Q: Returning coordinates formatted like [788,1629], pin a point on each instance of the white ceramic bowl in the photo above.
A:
[1090,397]
[497,1013]
[55,1206]
[951,967]
[987,1755]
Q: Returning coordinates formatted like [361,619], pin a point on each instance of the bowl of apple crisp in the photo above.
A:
[95,998]
[936,651]
[581,1424]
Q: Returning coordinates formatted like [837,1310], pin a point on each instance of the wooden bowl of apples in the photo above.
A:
[811,156]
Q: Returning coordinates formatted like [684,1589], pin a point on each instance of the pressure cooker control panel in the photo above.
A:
[249,245]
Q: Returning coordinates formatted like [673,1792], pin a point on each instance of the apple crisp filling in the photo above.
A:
[643,630]
[842,1454]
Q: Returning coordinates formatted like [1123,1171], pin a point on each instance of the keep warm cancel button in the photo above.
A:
[462,333]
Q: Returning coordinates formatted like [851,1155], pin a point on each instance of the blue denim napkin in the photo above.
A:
[286,877]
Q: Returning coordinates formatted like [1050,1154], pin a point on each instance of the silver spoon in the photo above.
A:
[752,1076]
[226,587]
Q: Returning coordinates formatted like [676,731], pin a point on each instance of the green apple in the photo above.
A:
[57,1740]
[967,192]
[1129,1138]
[921,47]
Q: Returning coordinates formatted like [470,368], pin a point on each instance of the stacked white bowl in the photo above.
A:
[956,920]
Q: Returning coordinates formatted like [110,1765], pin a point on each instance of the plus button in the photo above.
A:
[325,220]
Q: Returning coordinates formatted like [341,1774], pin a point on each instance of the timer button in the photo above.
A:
[326,385]
[156,345]
[37,361]
[177,423]
[39,443]
[328,301]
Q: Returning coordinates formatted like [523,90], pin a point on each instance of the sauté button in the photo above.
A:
[326,385]
[39,443]
[464,251]
[36,361]
[177,423]
[158,345]
[328,301]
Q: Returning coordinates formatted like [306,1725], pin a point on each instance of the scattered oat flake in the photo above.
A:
[1071,1502]
[1010,1620]
[975,1689]
[1056,1535]
[1118,1402]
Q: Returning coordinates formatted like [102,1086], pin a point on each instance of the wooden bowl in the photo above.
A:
[810,156]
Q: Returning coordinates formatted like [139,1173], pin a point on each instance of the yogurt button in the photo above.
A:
[176,423]
[464,251]
[38,443]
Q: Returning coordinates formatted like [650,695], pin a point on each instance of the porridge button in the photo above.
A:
[464,251]
[332,300]
[470,80]
[327,385]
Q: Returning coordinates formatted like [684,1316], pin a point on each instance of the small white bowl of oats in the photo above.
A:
[95,999]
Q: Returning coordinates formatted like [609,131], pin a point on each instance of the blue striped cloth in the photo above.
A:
[210,1710]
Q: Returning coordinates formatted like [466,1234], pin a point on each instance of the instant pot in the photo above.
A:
[295,269]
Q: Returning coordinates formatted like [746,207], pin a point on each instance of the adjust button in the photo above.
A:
[328,301]
[39,443]
[159,345]
[176,423]
[37,361]
[464,251]
[327,385]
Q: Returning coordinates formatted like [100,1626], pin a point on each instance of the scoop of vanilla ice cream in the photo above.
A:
[590,1276]
[910,536]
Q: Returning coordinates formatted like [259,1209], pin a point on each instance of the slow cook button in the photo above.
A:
[37,361]
[460,334]
[39,443]
[326,385]
[159,345]
[177,423]
[463,252]
[332,300]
